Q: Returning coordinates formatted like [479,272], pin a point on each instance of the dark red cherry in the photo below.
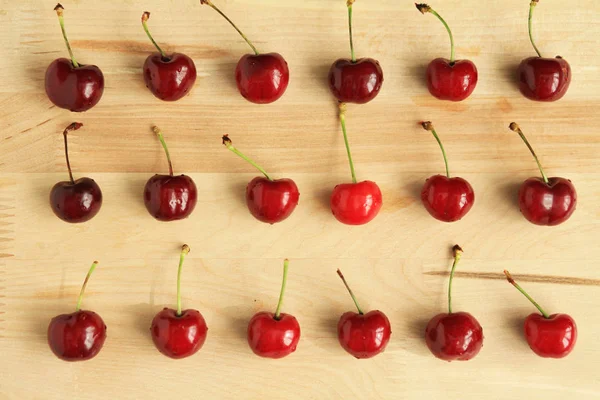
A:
[73,88]
[355,82]
[262,78]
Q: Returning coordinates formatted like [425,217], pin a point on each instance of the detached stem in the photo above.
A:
[145,17]
[343,123]
[510,280]
[229,144]
[515,128]
[59,11]
[350,291]
[286,264]
[428,126]
[209,3]
[185,249]
[531,8]
[457,250]
[349,4]
[158,132]
[85,282]
[73,127]
[426,8]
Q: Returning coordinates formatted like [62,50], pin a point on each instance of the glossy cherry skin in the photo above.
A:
[456,336]
[273,338]
[178,336]
[170,78]
[355,82]
[364,335]
[356,203]
[169,198]
[547,204]
[544,79]
[262,78]
[271,201]
[76,89]
[78,336]
[76,202]
[451,81]
[554,337]
[447,199]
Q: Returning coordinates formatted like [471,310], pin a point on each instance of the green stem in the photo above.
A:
[185,249]
[424,8]
[515,128]
[350,291]
[531,8]
[59,11]
[343,123]
[72,127]
[457,254]
[286,264]
[208,2]
[227,142]
[510,279]
[158,132]
[85,282]
[349,4]
[145,17]
[429,127]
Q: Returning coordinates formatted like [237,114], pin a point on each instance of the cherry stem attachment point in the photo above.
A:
[85,282]
[185,249]
[428,126]
[343,107]
[229,144]
[73,127]
[510,280]
[349,5]
[145,17]
[350,291]
[158,132]
[529,20]
[424,8]
[457,251]
[515,128]
[286,264]
[59,11]
[209,3]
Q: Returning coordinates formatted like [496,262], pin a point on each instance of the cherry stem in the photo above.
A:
[145,17]
[428,126]
[85,282]
[73,127]
[185,249]
[510,280]
[343,123]
[349,4]
[531,8]
[515,128]
[286,264]
[229,144]
[457,251]
[350,291]
[158,132]
[425,8]
[59,11]
[208,2]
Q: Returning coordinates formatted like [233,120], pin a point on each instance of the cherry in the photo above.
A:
[71,85]
[78,336]
[168,76]
[260,78]
[168,197]
[75,200]
[447,199]
[178,333]
[363,335]
[541,78]
[545,201]
[454,336]
[549,336]
[274,335]
[355,80]
[268,200]
[451,79]
[354,203]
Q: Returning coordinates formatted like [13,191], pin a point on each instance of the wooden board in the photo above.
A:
[398,263]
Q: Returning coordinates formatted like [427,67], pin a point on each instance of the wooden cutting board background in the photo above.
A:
[398,263]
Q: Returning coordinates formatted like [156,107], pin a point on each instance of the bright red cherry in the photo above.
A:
[549,336]
[454,336]
[169,197]
[363,335]
[540,78]
[451,79]
[447,199]
[545,201]
[353,80]
[355,203]
[71,85]
[168,76]
[260,78]
[75,200]
[179,333]
[274,335]
[78,336]
[269,200]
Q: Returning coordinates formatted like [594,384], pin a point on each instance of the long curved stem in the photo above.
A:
[457,250]
[428,126]
[59,11]
[185,249]
[510,279]
[529,20]
[209,3]
[73,127]
[349,4]
[229,144]
[158,132]
[286,264]
[515,128]
[343,123]
[423,8]
[85,282]
[145,17]
[350,291]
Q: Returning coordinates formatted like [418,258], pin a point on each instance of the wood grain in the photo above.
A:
[398,263]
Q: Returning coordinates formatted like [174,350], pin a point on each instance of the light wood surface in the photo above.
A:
[398,263]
